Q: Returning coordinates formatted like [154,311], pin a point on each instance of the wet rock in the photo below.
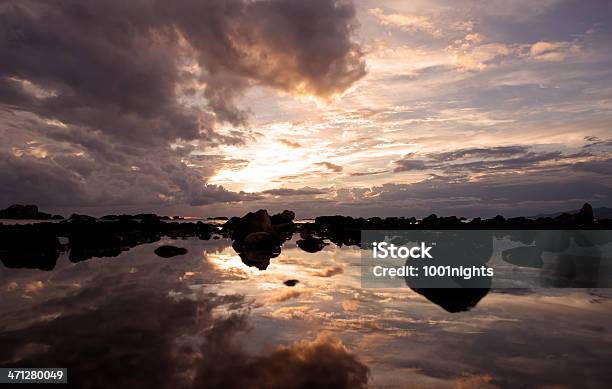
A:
[258,248]
[264,241]
[258,258]
[454,300]
[204,231]
[75,217]
[311,244]
[284,217]
[168,251]
[284,228]
[140,216]
[239,228]
[291,282]
[32,246]
[526,256]
[18,211]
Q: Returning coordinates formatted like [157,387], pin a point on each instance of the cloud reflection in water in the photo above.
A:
[197,320]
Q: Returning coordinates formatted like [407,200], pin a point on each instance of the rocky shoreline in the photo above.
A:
[257,237]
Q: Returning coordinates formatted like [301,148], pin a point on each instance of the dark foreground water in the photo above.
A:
[206,320]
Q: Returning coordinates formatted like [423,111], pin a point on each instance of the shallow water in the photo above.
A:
[207,320]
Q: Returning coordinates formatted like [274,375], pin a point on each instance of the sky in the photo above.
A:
[363,108]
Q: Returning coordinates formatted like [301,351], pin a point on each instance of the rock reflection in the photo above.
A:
[207,320]
[453,250]
[567,259]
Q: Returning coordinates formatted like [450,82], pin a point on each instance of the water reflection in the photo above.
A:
[208,319]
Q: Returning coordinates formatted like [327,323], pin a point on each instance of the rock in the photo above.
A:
[204,231]
[32,246]
[585,215]
[150,216]
[168,251]
[257,248]
[284,217]
[311,244]
[525,256]
[140,216]
[454,300]
[239,228]
[75,217]
[258,258]
[291,282]
[21,212]
[261,241]
[284,227]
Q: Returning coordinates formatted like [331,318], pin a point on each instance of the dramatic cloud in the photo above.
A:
[160,106]
[295,192]
[409,164]
[493,160]
[104,88]
[480,152]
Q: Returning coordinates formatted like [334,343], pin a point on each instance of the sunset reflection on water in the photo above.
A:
[195,320]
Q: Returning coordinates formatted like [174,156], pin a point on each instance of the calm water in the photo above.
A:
[207,320]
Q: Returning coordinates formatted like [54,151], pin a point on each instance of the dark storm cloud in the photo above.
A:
[524,161]
[295,192]
[483,160]
[103,88]
[603,167]
[480,152]
[116,65]
[597,143]
[404,165]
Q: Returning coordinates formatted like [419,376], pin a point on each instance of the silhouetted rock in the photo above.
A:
[291,282]
[140,216]
[265,241]
[285,228]
[585,215]
[283,217]
[454,300]
[526,256]
[31,246]
[239,228]
[81,218]
[311,244]
[168,251]
[255,238]
[258,258]
[454,249]
[18,211]
[600,213]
